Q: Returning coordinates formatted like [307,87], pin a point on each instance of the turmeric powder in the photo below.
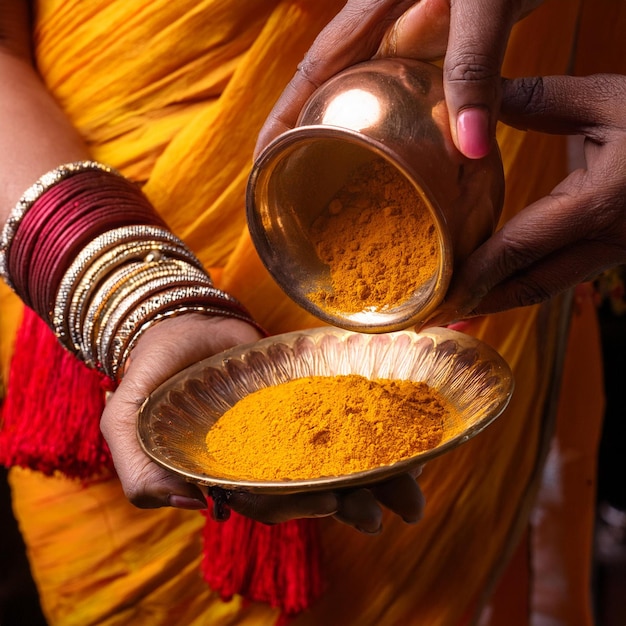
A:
[325,426]
[378,239]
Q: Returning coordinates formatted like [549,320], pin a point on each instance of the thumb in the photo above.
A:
[568,105]
[479,32]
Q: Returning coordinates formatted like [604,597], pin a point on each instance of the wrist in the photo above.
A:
[178,341]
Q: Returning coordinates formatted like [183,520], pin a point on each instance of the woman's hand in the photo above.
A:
[471,36]
[163,351]
[575,232]
[360,508]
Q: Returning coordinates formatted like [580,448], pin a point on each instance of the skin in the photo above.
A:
[469,35]
[579,229]
[35,137]
[581,223]
[567,237]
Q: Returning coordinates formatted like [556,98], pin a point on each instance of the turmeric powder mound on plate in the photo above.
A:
[325,426]
[378,239]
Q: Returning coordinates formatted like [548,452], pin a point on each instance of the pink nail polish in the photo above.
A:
[472,128]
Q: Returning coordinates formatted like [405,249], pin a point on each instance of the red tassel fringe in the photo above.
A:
[284,571]
[51,422]
[51,414]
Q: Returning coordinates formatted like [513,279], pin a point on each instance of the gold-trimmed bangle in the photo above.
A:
[105,297]
[104,253]
[177,297]
[98,247]
[84,292]
[128,280]
[108,330]
[121,349]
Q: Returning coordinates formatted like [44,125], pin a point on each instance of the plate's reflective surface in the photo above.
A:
[174,420]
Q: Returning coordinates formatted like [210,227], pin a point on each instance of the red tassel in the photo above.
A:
[278,564]
[51,414]
[51,422]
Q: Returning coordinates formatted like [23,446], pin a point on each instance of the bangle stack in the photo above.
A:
[85,249]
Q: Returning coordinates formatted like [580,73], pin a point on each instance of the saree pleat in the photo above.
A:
[173,94]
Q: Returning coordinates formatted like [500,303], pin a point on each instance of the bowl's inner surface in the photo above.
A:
[175,419]
[294,187]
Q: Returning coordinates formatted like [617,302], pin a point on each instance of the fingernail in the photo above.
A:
[472,129]
[369,532]
[183,502]
[461,326]
[440,320]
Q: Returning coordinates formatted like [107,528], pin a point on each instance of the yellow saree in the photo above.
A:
[173,94]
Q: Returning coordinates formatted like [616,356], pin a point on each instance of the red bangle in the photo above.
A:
[61,222]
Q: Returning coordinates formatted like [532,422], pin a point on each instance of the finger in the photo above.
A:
[420,33]
[145,484]
[274,509]
[551,276]
[564,104]
[352,36]
[360,510]
[163,350]
[542,228]
[479,32]
[575,211]
[403,496]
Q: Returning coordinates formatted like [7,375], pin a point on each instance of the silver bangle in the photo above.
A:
[105,298]
[96,260]
[115,324]
[128,283]
[122,332]
[121,350]
[83,294]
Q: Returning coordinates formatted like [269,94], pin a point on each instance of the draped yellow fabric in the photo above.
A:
[173,94]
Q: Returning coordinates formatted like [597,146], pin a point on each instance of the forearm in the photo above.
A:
[35,136]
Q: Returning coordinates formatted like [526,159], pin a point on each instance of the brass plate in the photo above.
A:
[174,420]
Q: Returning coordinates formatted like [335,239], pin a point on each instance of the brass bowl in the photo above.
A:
[392,109]
[175,419]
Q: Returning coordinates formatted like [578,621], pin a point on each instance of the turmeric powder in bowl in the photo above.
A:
[320,426]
